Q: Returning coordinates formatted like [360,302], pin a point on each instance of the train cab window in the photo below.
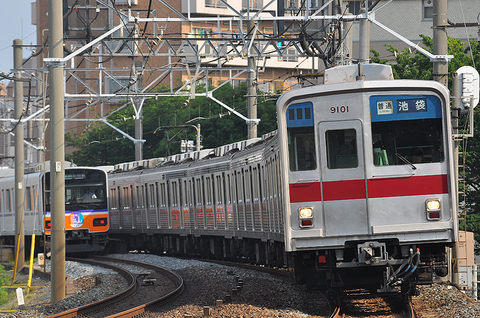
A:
[341,149]
[406,130]
[301,137]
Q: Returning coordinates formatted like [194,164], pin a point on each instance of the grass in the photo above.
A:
[4,280]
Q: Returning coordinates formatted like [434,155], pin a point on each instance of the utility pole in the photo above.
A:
[251,87]
[19,155]
[440,40]
[440,74]
[139,136]
[57,149]
[364,30]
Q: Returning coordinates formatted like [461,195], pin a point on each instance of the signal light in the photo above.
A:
[48,224]
[322,259]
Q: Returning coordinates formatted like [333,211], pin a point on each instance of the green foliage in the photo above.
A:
[4,280]
[410,64]
[102,145]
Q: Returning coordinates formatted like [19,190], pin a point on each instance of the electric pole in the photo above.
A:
[19,155]
[57,149]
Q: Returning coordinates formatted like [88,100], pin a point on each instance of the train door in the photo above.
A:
[229,202]
[152,205]
[343,178]
[199,199]
[175,204]
[191,202]
[247,186]
[115,208]
[157,205]
[186,203]
[240,200]
[220,201]
[256,191]
[163,210]
[209,202]
[265,187]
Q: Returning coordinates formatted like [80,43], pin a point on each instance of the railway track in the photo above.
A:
[138,297]
[364,304]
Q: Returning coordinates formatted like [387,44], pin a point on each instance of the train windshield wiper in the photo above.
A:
[405,160]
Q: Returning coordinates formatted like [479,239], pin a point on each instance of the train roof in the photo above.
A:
[200,159]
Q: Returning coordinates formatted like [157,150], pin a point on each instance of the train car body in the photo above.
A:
[369,187]
[86,209]
[220,203]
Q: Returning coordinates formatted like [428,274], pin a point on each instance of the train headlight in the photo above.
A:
[434,209]
[306,217]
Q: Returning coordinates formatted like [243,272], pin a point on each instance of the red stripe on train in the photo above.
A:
[305,192]
[377,188]
[398,187]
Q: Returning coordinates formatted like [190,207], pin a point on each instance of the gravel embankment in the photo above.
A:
[262,295]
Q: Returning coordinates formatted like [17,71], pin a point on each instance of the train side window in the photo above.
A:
[28,198]
[163,200]
[34,198]
[152,195]
[8,200]
[126,203]
[341,149]
[219,189]
[113,199]
[174,194]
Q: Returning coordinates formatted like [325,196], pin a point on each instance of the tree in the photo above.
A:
[101,145]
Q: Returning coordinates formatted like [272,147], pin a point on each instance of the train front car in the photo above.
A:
[368,181]
[86,210]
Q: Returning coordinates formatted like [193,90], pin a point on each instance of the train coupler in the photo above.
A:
[372,253]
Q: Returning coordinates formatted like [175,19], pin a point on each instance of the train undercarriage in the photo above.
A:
[247,250]
[380,267]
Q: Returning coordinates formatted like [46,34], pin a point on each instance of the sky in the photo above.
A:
[16,23]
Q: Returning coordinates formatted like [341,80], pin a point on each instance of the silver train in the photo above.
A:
[356,189]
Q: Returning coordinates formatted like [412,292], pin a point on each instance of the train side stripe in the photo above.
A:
[344,190]
[305,192]
[377,188]
[406,186]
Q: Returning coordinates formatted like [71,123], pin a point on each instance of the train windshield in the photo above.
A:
[406,130]
[85,189]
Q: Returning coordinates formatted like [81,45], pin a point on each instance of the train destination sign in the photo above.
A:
[412,105]
[385,107]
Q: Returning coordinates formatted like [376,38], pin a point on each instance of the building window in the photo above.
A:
[428,9]
[214,4]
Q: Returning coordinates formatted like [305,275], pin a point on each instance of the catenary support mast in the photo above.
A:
[57,148]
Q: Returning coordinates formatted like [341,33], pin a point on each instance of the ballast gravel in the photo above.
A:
[262,295]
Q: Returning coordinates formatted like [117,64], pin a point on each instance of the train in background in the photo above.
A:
[356,189]
[86,209]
